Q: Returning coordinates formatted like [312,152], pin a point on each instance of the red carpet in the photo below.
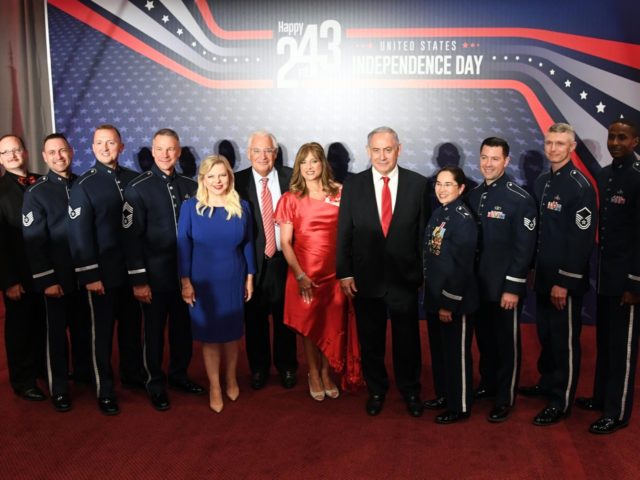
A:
[275,433]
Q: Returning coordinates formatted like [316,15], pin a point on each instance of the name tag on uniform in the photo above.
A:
[555,206]
[618,200]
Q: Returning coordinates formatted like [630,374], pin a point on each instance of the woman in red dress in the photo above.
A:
[314,304]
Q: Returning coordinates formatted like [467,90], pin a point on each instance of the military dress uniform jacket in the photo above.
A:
[150,222]
[95,226]
[449,252]
[506,218]
[619,227]
[566,230]
[45,228]
[14,267]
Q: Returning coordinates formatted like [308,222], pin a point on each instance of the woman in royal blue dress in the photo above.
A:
[217,264]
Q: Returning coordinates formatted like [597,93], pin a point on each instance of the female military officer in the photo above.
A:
[451,293]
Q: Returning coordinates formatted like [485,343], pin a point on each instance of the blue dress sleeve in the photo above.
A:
[185,239]
[248,248]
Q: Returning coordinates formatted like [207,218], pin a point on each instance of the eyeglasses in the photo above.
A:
[446,184]
[258,151]
[11,153]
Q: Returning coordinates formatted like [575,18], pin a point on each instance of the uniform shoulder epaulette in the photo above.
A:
[463,211]
[39,182]
[579,177]
[88,174]
[187,178]
[141,178]
[517,189]
[476,187]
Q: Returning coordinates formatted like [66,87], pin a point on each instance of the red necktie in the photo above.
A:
[267,219]
[385,219]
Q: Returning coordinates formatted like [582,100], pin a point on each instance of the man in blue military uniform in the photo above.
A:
[45,231]
[566,231]
[95,238]
[506,217]
[24,327]
[618,282]
[150,219]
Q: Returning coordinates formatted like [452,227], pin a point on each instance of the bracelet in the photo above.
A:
[301,276]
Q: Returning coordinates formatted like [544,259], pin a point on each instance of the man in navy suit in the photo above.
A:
[383,213]
[271,274]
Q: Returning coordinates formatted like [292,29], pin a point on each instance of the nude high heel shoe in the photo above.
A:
[317,396]
[215,401]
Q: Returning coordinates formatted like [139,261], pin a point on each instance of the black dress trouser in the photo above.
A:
[617,357]
[559,361]
[268,298]
[166,306]
[372,314]
[498,338]
[24,339]
[69,311]
[116,303]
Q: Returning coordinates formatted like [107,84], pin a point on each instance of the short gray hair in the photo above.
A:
[263,133]
[383,129]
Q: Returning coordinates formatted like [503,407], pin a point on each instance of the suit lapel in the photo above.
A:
[283,181]
[369,201]
[401,199]
[252,194]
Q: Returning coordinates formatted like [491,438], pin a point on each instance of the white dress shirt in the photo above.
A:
[378,183]
[274,187]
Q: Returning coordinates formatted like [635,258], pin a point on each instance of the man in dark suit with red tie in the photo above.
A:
[383,213]
[24,327]
[262,185]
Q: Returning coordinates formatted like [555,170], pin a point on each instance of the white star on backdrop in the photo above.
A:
[165,18]
[567,83]
[179,32]
[149,5]
[583,95]
[600,107]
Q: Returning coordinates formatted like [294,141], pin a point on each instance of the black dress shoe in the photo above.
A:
[607,425]
[32,393]
[548,416]
[451,417]
[258,380]
[160,401]
[108,406]
[288,379]
[62,403]
[587,403]
[374,405]
[482,393]
[414,405]
[187,386]
[435,404]
[532,391]
[499,414]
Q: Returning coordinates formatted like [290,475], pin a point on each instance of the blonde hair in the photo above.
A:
[563,128]
[231,199]
[298,185]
